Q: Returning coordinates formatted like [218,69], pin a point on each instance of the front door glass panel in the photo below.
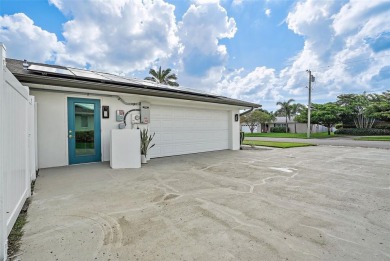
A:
[84,128]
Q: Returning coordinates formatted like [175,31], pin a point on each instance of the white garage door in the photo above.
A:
[181,130]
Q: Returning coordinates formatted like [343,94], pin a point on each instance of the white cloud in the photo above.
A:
[261,84]
[346,46]
[26,40]
[201,54]
[267,12]
[117,36]
[336,46]
[203,2]
[356,14]
[237,2]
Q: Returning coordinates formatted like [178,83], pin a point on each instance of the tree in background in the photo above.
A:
[358,108]
[327,114]
[380,106]
[162,76]
[285,109]
[256,118]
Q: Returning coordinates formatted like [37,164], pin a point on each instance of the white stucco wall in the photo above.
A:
[52,129]
[53,122]
[53,126]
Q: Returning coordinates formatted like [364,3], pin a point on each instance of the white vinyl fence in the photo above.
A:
[17,150]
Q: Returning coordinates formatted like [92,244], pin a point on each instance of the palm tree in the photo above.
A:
[296,109]
[162,76]
[285,108]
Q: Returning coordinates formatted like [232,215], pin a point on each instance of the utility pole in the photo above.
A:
[311,79]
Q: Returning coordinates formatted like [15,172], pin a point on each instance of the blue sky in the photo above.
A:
[247,49]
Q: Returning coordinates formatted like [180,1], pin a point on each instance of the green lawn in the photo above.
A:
[320,135]
[276,144]
[375,138]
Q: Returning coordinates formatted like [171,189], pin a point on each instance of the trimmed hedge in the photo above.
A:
[279,129]
[363,132]
[381,126]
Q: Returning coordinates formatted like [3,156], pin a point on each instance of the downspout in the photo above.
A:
[248,111]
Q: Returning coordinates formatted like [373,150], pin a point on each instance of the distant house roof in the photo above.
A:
[54,75]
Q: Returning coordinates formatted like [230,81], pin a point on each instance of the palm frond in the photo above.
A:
[150,79]
[163,76]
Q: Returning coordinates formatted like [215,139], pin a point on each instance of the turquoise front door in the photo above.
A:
[84,143]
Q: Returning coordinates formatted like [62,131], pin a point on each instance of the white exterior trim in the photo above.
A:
[53,124]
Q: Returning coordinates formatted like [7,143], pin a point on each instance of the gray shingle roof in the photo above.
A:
[115,84]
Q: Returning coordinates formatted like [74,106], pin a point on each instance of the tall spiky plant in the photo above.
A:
[162,76]
[146,139]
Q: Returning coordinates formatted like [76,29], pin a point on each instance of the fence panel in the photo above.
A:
[15,167]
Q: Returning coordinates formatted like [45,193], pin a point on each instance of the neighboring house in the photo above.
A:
[71,127]
[294,127]
[245,128]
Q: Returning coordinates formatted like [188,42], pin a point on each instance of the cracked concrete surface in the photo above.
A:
[310,203]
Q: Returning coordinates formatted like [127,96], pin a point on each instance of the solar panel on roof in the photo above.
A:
[87,74]
[47,69]
[145,83]
[115,78]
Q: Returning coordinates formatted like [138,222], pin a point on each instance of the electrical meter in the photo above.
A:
[135,118]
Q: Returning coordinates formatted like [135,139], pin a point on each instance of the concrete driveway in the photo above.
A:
[311,203]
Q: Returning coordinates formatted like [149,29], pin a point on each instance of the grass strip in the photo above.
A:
[319,135]
[16,234]
[276,144]
[14,238]
[374,138]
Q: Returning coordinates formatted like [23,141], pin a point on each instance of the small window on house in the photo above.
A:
[84,121]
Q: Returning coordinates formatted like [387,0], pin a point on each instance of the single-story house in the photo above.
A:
[77,109]
[294,126]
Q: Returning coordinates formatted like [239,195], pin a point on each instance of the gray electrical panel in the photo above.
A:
[145,112]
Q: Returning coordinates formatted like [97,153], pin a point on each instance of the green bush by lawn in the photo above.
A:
[279,129]
[363,132]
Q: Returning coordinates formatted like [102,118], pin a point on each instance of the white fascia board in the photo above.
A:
[137,97]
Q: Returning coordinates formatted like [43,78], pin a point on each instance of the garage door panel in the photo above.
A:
[181,130]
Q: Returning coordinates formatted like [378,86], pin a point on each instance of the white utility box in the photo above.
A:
[125,149]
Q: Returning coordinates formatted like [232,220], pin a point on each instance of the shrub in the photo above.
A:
[381,126]
[363,132]
[279,130]
[338,126]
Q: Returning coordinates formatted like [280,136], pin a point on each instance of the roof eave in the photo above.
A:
[130,89]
